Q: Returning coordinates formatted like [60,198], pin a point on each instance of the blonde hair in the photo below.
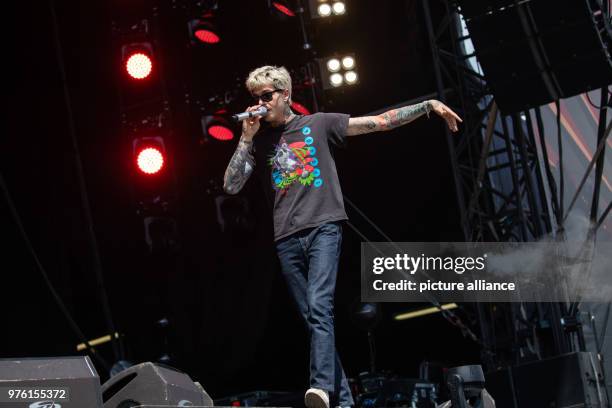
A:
[277,77]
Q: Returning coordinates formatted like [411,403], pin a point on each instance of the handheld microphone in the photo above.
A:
[262,111]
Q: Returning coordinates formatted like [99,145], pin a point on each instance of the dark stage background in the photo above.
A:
[232,324]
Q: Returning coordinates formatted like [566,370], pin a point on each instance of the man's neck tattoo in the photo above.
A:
[288,113]
[287,116]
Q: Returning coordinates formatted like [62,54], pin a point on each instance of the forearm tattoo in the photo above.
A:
[406,114]
[388,120]
[363,125]
[239,168]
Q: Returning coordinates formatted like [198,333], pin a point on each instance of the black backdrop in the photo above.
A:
[233,326]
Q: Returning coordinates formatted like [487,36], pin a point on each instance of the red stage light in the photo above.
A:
[139,65]
[150,160]
[220,132]
[283,9]
[207,36]
[299,108]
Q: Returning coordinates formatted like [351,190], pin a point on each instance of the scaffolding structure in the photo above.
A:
[506,190]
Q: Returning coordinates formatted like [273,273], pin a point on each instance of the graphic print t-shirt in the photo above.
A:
[301,172]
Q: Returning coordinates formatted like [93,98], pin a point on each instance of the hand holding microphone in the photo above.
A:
[260,111]
[250,120]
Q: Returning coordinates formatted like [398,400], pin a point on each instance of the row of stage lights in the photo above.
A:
[326,9]
[139,67]
[141,84]
[150,160]
[150,152]
[203,30]
[318,8]
[335,72]
[146,121]
[146,117]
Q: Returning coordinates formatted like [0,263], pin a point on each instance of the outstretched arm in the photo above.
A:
[240,167]
[400,116]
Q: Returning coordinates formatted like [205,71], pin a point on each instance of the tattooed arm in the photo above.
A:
[240,167]
[400,116]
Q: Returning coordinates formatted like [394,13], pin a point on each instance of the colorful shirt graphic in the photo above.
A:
[297,167]
[295,162]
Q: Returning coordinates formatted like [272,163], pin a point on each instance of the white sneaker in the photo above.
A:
[316,398]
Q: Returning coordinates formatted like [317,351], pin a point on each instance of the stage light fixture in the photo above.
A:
[137,60]
[149,154]
[299,108]
[338,70]
[234,214]
[203,31]
[161,235]
[333,65]
[324,10]
[221,132]
[207,36]
[139,77]
[139,65]
[348,62]
[336,79]
[150,160]
[350,77]
[339,8]
[217,127]
[281,9]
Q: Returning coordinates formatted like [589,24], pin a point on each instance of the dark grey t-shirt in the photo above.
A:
[300,171]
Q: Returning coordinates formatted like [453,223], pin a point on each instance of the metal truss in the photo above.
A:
[501,189]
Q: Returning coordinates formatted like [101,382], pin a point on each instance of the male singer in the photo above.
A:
[294,152]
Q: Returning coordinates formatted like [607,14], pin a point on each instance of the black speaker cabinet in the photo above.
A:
[52,382]
[534,52]
[569,380]
[153,384]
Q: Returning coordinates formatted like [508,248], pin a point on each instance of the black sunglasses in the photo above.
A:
[267,96]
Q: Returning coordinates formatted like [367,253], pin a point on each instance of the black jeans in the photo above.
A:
[309,261]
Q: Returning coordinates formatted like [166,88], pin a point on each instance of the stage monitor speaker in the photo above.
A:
[153,384]
[51,382]
[569,380]
[537,51]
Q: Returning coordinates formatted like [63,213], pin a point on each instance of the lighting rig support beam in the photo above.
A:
[496,168]
[492,153]
[308,49]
